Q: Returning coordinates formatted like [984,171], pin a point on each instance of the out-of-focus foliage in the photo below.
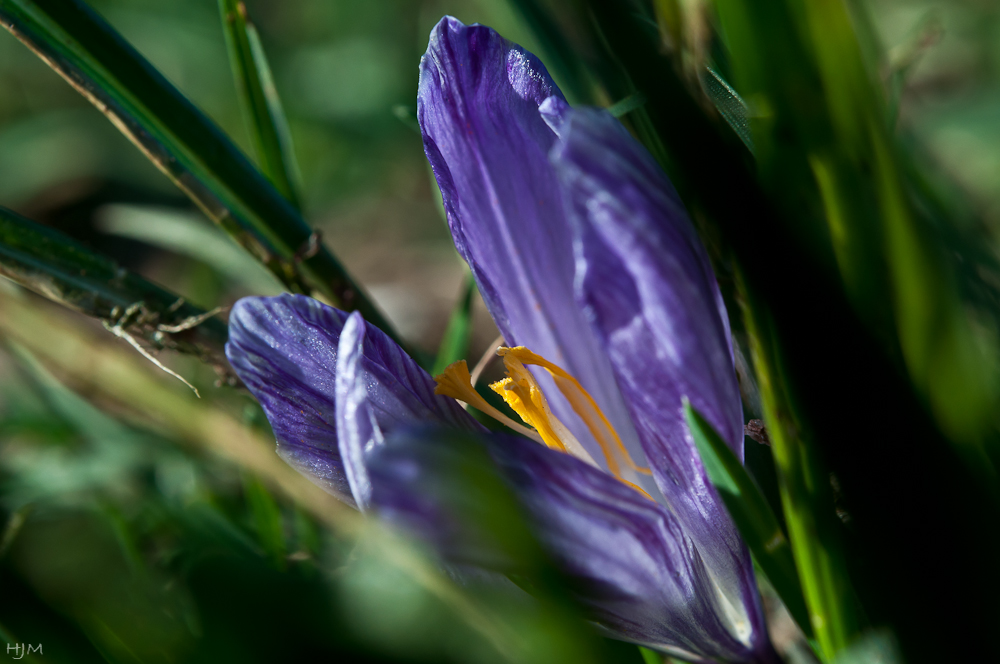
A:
[340,69]
[125,539]
[130,536]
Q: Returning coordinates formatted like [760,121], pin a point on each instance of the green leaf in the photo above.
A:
[806,498]
[751,513]
[183,143]
[261,104]
[627,105]
[187,234]
[108,455]
[455,343]
[650,656]
[730,105]
[53,265]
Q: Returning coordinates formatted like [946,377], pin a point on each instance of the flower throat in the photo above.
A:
[523,394]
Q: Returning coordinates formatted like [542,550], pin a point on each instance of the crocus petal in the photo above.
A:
[488,144]
[646,283]
[357,428]
[634,570]
[285,349]
[378,389]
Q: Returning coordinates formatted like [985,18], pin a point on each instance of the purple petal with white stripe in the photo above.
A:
[379,388]
[285,349]
[488,144]
[633,568]
[645,281]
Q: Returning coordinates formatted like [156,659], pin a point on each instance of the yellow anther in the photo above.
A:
[456,382]
[522,393]
[583,405]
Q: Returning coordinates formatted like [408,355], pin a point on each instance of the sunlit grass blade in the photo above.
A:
[183,143]
[53,265]
[455,343]
[261,104]
[806,496]
[752,514]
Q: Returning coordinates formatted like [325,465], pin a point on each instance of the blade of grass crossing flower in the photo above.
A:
[261,104]
[752,514]
[183,143]
[455,343]
[805,494]
[83,361]
[53,265]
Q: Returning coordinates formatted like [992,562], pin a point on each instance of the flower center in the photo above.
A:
[523,394]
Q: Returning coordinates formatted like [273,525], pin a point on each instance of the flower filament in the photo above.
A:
[520,390]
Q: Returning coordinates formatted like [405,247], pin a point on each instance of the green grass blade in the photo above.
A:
[187,234]
[752,514]
[730,105]
[261,104]
[53,265]
[188,147]
[806,495]
[455,343]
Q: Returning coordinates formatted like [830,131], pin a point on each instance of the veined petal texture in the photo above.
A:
[379,388]
[488,144]
[645,281]
[285,349]
[632,567]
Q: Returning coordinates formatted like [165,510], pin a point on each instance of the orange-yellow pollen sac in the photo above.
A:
[522,393]
[520,390]
[585,407]
[456,382]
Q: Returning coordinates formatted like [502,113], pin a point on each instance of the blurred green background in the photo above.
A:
[122,545]
[347,75]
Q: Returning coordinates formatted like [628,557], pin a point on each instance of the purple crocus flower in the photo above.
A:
[605,297]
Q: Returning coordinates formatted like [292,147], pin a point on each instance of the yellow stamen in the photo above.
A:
[456,382]
[522,393]
[584,406]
